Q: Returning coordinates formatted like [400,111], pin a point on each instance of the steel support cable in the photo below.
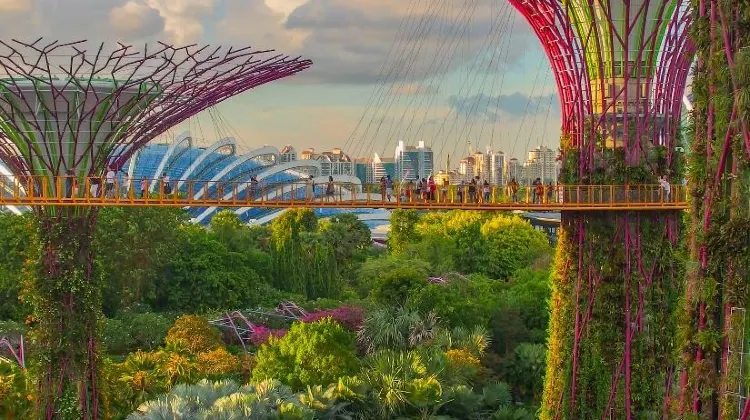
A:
[500,92]
[231,131]
[536,111]
[466,8]
[428,72]
[397,40]
[465,83]
[433,98]
[418,33]
[405,81]
[403,36]
[432,68]
[475,105]
[472,113]
[425,30]
[384,92]
[492,37]
[471,72]
[528,103]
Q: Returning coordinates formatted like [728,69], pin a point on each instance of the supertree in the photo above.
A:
[68,112]
[621,68]
[712,330]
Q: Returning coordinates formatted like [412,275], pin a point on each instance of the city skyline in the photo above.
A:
[417,161]
[349,42]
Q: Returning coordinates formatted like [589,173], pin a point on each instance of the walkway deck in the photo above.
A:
[193,193]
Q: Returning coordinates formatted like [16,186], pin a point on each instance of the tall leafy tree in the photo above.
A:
[349,237]
[227,228]
[203,274]
[403,230]
[133,245]
[286,248]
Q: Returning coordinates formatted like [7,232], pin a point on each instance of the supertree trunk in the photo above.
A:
[67,308]
[620,68]
[713,317]
[607,354]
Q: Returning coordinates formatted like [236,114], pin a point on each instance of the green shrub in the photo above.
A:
[12,327]
[116,337]
[397,286]
[148,329]
[511,243]
[16,392]
[310,354]
[462,302]
[134,331]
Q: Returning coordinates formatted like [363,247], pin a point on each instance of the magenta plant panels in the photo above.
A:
[635,78]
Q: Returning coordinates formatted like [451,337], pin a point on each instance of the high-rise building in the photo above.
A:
[379,168]
[481,165]
[413,162]
[542,164]
[496,167]
[466,168]
[513,170]
[363,169]
[287,154]
[335,162]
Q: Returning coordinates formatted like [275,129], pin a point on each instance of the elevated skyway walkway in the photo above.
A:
[64,191]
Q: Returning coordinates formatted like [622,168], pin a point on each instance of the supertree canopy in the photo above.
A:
[68,112]
[621,68]
[65,108]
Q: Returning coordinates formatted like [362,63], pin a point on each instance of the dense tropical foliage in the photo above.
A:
[449,322]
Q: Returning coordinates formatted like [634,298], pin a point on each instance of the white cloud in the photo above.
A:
[252,22]
[135,20]
[285,7]
[184,19]
[348,40]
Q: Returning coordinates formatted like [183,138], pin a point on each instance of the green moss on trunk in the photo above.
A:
[623,257]
[67,307]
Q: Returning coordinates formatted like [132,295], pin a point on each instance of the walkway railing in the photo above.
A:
[62,191]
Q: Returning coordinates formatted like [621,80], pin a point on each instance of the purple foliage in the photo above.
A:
[350,317]
[261,335]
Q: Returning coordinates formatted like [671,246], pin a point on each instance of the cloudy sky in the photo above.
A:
[446,72]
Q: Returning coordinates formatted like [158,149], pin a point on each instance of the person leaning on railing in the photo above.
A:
[666,188]
[513,189]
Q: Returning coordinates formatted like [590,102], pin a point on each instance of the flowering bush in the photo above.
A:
[350,317]
[218,363]
[261,335]
[16,392]
[194,333]
[462,367]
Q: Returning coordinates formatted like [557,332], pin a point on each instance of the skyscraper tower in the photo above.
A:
[620,68]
